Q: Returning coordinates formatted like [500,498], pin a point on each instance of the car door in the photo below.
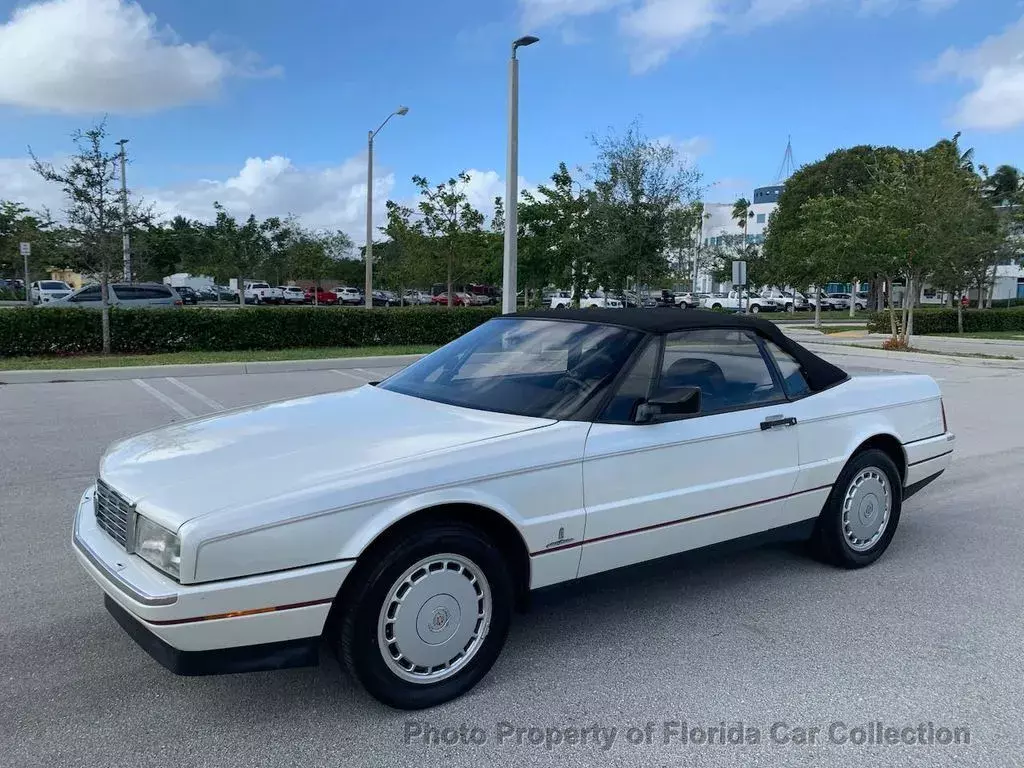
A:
[654,489]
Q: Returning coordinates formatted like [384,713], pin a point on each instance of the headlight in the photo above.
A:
[157,546]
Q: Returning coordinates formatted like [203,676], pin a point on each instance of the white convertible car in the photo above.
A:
[536,449]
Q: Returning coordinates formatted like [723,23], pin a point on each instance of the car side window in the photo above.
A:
[726,364]
[635,388]
[793,380]
[92,293]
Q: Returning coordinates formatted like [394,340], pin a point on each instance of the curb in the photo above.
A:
[54,375]
[853,350]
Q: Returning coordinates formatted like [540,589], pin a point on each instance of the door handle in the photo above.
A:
[778,421]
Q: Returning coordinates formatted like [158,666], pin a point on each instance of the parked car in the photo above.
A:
[592,300]
[686,300]
[483,294]
[188,295]
[458,299]
[416,297]
[823,299]
[126,295]
[384,299]
[320,296]
[45,291]
[408,551]
[861,302]
[263,293]
[477,299]
[737,301]
[839,300]
[348,295]
[292,294]
[787,301]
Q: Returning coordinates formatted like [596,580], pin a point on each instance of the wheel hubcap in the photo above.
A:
[434,619]
[866,509]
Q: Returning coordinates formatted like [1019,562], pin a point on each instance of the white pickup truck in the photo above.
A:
[263,293]
[563,300]
[732,300]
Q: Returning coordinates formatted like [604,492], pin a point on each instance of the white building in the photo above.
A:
[718,227]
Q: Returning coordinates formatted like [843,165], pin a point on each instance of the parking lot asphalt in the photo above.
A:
[932,633]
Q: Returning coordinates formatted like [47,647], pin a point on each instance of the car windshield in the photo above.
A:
[50,285]
[526,367]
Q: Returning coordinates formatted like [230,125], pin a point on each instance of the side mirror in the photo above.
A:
[669,405]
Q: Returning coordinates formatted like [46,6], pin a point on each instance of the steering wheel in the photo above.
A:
[580,383]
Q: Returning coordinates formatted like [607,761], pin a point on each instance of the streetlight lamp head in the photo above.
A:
[524,41]
[402,111]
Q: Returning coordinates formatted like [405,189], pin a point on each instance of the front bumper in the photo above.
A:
[254,622]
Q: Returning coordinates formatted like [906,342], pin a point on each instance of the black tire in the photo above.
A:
[356,640]
[716,306]
[755,309]
[829,541]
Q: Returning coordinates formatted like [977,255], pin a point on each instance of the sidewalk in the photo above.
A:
[940,345]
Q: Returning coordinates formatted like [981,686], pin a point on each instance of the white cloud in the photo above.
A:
[87,56]
[996,68]
[655,29]
[658,27]
[540,13]
[332,197]
[690,148]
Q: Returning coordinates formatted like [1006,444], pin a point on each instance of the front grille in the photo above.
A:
[113,513]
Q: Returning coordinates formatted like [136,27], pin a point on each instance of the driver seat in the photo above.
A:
[695,372]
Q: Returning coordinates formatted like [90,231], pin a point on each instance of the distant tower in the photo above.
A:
[788,165]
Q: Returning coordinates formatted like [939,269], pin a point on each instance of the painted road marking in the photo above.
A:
[175,406]
[196,394]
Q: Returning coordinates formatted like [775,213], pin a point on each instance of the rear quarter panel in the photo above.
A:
[833,423]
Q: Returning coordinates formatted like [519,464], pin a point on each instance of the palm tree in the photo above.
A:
[1004,186]
[741,213]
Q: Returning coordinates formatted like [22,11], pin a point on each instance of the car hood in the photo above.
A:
[230,460]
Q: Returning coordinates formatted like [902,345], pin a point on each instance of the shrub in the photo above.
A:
[38,331]
[944,321]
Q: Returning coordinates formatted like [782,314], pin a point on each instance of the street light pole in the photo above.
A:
[510,262]
[126,242]
[368,250]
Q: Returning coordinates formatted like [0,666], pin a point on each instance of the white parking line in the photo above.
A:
[178,408]
[196,394]
[352,376]
[370,376]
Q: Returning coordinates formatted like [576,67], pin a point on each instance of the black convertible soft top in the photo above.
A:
[819,373]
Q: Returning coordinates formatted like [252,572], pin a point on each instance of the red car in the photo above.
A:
[458,299]
[320,296]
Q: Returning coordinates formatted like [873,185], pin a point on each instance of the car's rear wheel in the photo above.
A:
[862,512]
[716,306]
[754,309]
[426,621]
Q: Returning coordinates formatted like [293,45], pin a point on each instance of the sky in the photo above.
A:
[265,105]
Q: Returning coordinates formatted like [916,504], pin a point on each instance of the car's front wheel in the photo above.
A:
[425,622]
[862,511]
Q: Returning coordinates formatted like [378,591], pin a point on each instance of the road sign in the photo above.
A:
[739,273]
[25,249]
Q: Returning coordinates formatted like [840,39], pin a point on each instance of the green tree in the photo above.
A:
[559,223]
[454,225]
[637,182]
[683,240]
[742,214]
[19,225]
[93,210]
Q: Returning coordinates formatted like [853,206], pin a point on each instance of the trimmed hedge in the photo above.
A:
[26,332]
[933,321]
